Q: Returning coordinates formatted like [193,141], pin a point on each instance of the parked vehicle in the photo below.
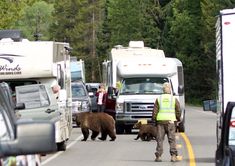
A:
[225,39]
[225,152]
[110,101]
[93,89]
[46,63]
[141,72]
[81,99]
[18,140]
[77,68]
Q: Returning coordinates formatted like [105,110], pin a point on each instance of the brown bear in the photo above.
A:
[146,132]
[96,122]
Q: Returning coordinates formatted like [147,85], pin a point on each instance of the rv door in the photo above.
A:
[225,153]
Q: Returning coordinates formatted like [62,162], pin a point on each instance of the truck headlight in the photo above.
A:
[119,107]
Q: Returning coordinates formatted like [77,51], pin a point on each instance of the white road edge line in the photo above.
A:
[59,153]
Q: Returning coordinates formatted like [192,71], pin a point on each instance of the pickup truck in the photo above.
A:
[18,136]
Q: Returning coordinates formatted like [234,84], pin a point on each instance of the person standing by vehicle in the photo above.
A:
[165,113]
[101,98]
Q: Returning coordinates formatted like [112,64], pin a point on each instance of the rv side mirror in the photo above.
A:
[112,93]
[110,90]
[20,106]
[88,88]
[181,90]
[28,141]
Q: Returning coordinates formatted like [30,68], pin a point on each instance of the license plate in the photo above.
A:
[143,121]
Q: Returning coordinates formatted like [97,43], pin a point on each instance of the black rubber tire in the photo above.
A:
[119,129]
[61,146]
[128,129]
[181,127]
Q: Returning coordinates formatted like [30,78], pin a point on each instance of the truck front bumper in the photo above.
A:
[128,119]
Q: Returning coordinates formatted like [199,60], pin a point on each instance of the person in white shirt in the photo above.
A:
[101,98]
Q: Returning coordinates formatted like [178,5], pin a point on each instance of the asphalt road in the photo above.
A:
[195,147]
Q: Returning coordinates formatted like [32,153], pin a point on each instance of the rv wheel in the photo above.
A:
[61,146]
[119,129]
[181,127]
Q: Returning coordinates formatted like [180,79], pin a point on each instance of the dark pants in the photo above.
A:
[100,108]
[169,130]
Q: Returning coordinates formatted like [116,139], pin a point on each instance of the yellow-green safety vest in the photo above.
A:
[166,108]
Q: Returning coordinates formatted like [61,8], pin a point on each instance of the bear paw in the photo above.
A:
[102,139]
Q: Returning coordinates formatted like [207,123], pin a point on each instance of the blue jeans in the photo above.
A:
[100,108]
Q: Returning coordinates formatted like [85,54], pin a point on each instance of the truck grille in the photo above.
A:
[139,107]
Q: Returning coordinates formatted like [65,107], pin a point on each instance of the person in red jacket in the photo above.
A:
[101,98]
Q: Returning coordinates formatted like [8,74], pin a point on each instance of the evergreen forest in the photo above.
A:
[184,29]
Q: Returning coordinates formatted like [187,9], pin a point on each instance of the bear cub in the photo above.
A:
[147,132]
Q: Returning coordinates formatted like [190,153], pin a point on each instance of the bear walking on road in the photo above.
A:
[97,122]
[147,132]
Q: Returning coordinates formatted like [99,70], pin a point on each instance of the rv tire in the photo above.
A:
[61,146]
[119,129]
[181,127]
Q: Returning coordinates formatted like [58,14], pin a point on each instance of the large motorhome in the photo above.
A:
[77,68]
[225,39]
[32,69]
[141,72]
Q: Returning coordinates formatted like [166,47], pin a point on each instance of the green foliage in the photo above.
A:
[134,20]
[36,20]
[182,28]
[77,22]
[10,12]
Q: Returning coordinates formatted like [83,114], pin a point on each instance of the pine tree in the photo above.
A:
[77,22]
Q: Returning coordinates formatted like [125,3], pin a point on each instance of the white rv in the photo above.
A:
[77,68]
[225,39]
[225,57]
[32,68]
[141,72]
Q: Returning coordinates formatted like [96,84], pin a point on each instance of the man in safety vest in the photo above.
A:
[165,113]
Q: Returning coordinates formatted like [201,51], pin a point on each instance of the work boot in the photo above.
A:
[158,159]
[173,158]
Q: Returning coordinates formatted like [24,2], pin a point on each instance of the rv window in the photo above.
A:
[143,85]
[180,75]
[110,73]
[60,76]
[33,96]
[76,75]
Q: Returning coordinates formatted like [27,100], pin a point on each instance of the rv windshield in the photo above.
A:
[143,85]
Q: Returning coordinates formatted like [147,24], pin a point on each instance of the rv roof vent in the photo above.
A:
[13,34]
[136,44]
[5,40]
[118,46]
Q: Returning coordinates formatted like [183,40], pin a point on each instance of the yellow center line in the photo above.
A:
[190,150]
